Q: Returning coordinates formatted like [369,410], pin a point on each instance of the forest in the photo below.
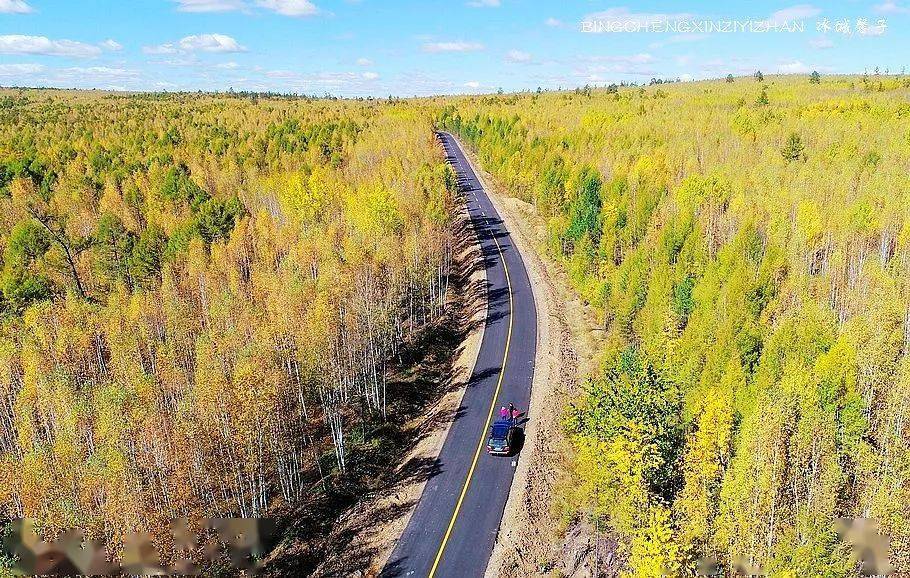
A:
[200,295]
[746,245]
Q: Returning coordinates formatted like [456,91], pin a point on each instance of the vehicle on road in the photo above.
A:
[503,439]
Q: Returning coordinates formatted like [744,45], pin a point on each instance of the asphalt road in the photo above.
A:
[454,526]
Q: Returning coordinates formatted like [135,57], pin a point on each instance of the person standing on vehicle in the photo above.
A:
[513,412]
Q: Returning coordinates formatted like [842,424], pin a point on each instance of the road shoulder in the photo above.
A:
[568,336]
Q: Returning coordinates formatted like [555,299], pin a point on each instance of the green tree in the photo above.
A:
[585,207]
[27,242]
[115,246]
[6,177]
[215,218]
[22,282]
[22,287]
[179,187]
[775,331]
[633,392]
[148,252]
[683,303]
[793,150]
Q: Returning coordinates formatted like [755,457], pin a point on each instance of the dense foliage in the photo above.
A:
[748,247]
[199,297]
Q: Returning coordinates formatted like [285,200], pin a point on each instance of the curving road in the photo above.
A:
[454,526]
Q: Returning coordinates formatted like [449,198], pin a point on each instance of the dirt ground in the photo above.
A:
[533,540]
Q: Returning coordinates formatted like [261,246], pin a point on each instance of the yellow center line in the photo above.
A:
[483,433]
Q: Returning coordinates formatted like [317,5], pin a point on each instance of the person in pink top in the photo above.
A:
[503,413]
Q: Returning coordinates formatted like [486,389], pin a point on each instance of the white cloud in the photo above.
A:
[210,43]
[595,67]
[168,48]
[81,77]
[640,58]
[99,72]
[21,44]
[283,7]
[15,7]
[794,13]
[332,79]
[282,74]
[112,45]
[518,56]
[290,7]
[228,65]
[452,46]
[622,19]
[891,7]
[821,43]
[327,81]
[209,5]
[364,62]
[685,77]
[794,67]
[555,23]
[190,60]
[198,42]
[20,69]
[104,77]
[484,3]
[732,65]
[472,84]
[683,59]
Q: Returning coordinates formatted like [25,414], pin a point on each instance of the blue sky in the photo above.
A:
[405,48]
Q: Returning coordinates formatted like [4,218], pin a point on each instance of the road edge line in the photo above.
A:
[541,370]
[502,372]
